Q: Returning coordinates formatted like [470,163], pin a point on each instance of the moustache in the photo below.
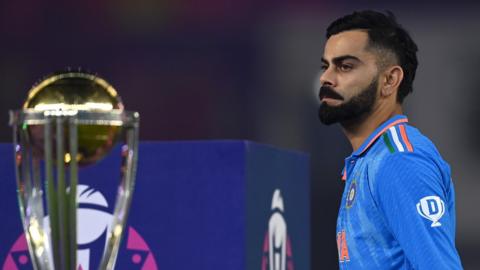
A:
[328,92]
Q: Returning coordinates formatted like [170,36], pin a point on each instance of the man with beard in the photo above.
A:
[398,206]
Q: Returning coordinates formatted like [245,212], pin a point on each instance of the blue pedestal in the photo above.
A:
[197,205]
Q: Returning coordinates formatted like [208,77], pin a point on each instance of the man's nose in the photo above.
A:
[328,77]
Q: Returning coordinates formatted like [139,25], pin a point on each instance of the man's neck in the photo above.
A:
[358,130]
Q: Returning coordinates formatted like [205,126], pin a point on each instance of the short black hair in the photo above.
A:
[384,33]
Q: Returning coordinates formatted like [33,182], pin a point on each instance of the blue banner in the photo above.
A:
[197,205]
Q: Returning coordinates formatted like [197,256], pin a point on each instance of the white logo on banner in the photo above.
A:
[277,234]
[89,231]
[431,208]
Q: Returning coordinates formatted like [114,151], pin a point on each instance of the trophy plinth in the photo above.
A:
[69,121]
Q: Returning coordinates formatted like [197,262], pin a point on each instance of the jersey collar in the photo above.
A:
[395,120]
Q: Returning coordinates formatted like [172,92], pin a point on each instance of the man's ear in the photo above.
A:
[391,79]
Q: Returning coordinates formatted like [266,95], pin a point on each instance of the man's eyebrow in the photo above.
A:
[339,59]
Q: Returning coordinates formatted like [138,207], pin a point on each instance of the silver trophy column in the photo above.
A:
[68,121]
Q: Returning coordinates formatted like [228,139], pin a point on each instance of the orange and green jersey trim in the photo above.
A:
[396,139]
[394,135]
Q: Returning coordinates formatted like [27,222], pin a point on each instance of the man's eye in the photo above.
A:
[324,67]
[345,67]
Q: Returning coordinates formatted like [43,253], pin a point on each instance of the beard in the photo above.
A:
[357,106]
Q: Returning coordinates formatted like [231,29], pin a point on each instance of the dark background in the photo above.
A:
[217,69]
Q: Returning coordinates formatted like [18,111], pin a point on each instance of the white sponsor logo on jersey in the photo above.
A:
[431,208]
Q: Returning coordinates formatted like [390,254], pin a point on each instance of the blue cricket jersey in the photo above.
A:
[398,205]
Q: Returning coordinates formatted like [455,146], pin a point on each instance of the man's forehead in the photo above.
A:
[352,42]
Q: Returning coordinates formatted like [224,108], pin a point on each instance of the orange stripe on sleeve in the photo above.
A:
[405,138]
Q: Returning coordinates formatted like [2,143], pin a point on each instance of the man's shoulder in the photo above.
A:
[406,149]
[404,142]
[420,141]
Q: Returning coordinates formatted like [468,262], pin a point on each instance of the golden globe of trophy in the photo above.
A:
[69,120]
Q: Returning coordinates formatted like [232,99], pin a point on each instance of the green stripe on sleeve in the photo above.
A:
[388,143]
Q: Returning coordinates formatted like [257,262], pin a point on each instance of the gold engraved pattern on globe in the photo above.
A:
[76,91]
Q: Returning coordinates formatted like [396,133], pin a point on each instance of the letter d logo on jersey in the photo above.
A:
[431,208]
